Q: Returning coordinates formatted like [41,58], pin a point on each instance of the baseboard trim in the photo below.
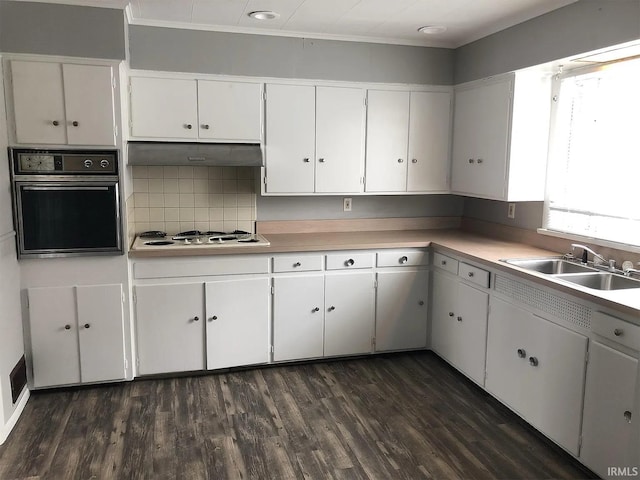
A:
[5,429]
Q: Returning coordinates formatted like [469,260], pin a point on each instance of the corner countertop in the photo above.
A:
[477,248]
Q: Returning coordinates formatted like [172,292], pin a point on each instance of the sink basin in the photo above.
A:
[600,280]
[551,266]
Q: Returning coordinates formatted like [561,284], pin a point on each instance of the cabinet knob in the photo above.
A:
[67,327]
[297,264]
[188,126]
[459,319]
[444,262]
[400,160]
[88,163]
[86,325]
[479,161]
[404,259]
[470,274]
[317,309]
[305,160]
[205,126]
[55,123]
[215,317]
[451,314]
[533,361]
[75,123]
[195,319]
[627,416]
[618,332]
[414,160]
[321,160]
[421,302]
[471,160]
[522,353]
[332,308]
[350,262]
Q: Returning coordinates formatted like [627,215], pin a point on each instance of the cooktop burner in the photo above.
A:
[153,234]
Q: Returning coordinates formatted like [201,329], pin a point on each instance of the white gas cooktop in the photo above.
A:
[194,238]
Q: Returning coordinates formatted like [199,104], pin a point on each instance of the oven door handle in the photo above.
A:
[65,188]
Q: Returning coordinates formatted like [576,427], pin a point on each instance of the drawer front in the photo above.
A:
[446,263]
[220,265]
[297,263]
[474,274]
[617,330]
[349,261]
[401,258]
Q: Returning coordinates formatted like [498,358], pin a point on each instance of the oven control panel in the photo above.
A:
[36,162]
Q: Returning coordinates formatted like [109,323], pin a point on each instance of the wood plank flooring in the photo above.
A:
[400,416]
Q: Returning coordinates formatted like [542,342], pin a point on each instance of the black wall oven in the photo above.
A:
[66,202]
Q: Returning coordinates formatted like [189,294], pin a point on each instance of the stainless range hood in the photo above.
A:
[184,153]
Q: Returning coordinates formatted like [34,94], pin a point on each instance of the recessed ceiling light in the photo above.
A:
[264,15]
[432,29]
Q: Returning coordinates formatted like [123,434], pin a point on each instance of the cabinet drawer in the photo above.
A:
[349,261]
[446,263]
[402,259]
[297,263]
[474,274]
[616,329]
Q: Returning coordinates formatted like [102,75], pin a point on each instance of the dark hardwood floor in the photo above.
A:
[401,416]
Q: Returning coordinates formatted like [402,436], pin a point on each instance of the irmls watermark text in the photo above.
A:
[623,471]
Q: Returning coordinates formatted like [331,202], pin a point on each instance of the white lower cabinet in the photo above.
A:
[609,400]
[537,368]
[401,310]
[237,329]
[170,333]
[77,334]
[349,313]
[298,317]
[459,324]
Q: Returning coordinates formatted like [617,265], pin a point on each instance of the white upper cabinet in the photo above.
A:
[408,141]
[61,104]
[314,139]
[185,109]
[500,137]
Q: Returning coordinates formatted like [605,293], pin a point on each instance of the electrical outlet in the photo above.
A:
[511,213]
[346,204]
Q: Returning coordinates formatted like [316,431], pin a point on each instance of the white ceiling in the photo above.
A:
[384,21]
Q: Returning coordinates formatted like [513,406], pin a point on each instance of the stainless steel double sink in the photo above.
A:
[579,274]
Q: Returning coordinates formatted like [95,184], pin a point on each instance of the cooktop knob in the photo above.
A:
[187,241]
[198,240]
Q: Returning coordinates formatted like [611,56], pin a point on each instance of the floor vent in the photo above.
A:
[18,379]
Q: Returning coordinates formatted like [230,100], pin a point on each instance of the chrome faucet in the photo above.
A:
[586,249]
[631,271]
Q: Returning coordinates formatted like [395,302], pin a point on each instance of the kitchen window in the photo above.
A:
[594,156]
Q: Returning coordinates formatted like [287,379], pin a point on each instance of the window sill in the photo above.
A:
[589,241]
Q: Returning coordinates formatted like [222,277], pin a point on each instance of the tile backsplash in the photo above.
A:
[176,199]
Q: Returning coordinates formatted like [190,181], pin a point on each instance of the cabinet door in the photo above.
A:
[469,349]
[101,332]
[480,139]
[229,111]
[429,134]
[340,120]
[444,294]
[88,94]
[170,327]
[54,336]
[290,119]
[349,317]
[298,317]
[608,409]
[38,102]
[237,322]
[401,310]
[387,137]
[164,108]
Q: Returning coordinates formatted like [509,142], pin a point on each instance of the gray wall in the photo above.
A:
[50,29]
[577,28]
[177,50]
[322,208]
[528,214]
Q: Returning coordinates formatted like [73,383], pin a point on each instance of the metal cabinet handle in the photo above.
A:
[451,314]
[321,160]
[195,319]
[533,361]
[421,302]
[414,160]
[471,160]
[67,327]
[479,161]
[522,353]
[75,123]
[317,309]
[86,325]
[444,262]
[470,274]
[55,123]
[205,126]
[618,332]
[400,160]
[332,308]
[627,416]
[297,264]
[350,262]
[459,319]
[305,160]
[213,318]
[404,259]
[188,126]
